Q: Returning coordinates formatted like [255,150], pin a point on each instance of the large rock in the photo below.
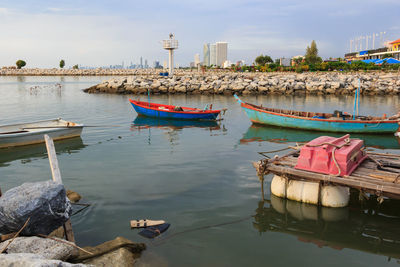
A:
[121,257]
[109,248]
[32,260]
[48,248]
[45,203]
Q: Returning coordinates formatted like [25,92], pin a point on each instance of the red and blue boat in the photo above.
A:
[173,112]
[336,122]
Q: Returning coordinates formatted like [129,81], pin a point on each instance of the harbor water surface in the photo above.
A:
[198,177]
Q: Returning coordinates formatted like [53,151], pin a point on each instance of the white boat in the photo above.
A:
[32,132]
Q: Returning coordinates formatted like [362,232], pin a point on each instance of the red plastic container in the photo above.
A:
[319,155]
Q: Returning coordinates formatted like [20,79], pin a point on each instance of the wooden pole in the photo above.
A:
[56,175]
[51,151]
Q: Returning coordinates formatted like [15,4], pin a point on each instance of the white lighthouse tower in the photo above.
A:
[170,45]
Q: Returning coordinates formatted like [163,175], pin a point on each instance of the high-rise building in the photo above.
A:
[213,54]
[221,53]
[141,62]
[196,59]
[145,64]
[206,54]
[156,65]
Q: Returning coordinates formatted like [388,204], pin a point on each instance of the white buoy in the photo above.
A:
[335,196]
[308,192]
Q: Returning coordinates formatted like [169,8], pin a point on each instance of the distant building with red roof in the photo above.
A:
[395,45]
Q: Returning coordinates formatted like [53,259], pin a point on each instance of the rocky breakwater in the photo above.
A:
[377,83]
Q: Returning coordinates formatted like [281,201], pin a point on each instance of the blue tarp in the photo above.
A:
[391,60]
[363,52]
[388,60]
[370,60]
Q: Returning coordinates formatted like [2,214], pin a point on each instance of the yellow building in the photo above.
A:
[395,45]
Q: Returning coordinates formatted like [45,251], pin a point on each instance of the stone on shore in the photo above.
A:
[73,196]
[32,260]
[45,203]
[121,257]
[47,248]
[118,252]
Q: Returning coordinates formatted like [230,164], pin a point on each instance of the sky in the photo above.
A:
[103,33]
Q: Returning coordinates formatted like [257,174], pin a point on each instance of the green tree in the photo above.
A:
[62,63]
[262,60]
[298,60]
[312,54]
[75,67]
[20,63]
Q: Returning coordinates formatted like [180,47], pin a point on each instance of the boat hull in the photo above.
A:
[35,136]
[270,118]
[177,115]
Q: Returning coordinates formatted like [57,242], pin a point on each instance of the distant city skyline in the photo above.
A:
[101,33]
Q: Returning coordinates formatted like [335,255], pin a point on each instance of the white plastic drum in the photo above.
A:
[307,192]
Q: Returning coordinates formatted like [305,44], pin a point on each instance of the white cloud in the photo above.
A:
[54,9]
[4,11]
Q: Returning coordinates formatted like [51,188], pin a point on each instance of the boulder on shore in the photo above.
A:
[45,203]
[118,252]
[32,260]
[48,248]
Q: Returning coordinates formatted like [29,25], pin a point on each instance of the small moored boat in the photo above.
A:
[32,132]
[337,122]
[173,112]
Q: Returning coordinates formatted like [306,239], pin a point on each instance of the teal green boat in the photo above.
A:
[317,121]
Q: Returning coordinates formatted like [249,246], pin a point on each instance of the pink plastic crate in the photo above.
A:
[316,156]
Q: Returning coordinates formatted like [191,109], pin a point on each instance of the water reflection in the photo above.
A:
[260,133]
[368,227]
[31,152]
[173,127]
[142,122]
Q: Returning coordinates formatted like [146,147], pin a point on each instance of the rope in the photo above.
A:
[346,143]
[65,242]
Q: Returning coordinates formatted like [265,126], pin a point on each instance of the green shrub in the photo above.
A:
[20,63]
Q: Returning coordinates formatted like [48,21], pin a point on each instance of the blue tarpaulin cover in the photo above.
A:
[388,60]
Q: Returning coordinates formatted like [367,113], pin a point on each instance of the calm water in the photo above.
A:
[198,177]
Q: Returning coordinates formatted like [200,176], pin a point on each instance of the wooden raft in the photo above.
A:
[379,174]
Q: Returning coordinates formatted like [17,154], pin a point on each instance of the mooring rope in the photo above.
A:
[346,143]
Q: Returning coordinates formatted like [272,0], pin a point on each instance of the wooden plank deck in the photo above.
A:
[379,174]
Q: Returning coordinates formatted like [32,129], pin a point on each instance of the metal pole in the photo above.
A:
[373,41]
[358,94]
[350,46]
[148,96]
